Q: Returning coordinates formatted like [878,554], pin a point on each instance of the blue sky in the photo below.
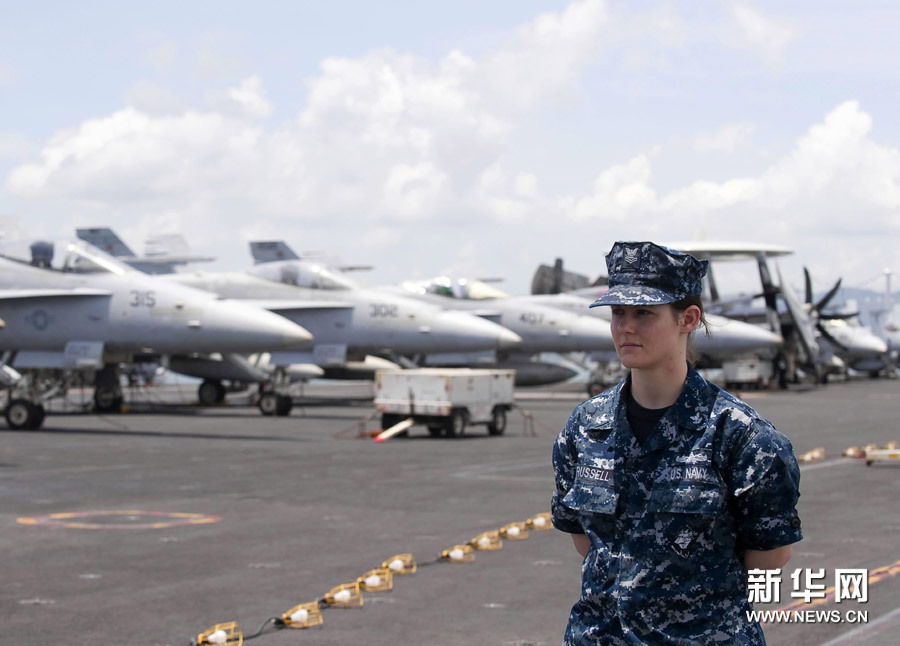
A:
[475,139]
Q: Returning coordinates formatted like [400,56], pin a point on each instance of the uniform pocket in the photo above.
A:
[591,498]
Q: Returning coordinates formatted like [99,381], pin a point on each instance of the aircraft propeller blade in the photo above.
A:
[808,284]
[831,292]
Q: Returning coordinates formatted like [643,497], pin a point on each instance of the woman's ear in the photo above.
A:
[690,319]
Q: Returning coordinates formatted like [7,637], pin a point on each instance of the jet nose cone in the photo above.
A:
[508,340]
[295,336]
[729,337]
[248,328]
[465,332]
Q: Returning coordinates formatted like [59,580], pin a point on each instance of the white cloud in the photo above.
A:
[413,191]
[834,172]
[766,36]
[727,139]
[250,95]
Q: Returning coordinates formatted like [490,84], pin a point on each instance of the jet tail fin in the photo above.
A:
[167,244]
[556,279]
[104,238]
[271,251]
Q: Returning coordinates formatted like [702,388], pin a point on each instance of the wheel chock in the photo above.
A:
[399,427]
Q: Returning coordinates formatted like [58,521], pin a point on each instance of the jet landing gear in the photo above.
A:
[274,397]
[21,414]
[274,404]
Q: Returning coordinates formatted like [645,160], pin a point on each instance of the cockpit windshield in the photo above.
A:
[62,254]
[302,273]
[463,289]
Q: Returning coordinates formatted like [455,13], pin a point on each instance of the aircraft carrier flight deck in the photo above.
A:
[154,526]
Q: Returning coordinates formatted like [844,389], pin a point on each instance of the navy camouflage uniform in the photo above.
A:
[668,520]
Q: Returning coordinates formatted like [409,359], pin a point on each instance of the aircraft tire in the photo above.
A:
[268,404]
[40,414]
[498,421]
[21,414]
[107,400]
[211,392]
[283,405]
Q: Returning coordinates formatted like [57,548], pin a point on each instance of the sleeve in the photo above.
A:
[765,487]
[565,458]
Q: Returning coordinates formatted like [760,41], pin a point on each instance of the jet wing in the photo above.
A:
[729,251]
[20,294]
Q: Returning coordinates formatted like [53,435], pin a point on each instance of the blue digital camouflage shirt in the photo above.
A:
[668,520]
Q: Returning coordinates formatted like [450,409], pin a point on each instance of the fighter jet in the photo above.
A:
[163,253]
[542,328]
[68,306]
[349,321]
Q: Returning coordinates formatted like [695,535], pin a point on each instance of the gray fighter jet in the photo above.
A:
[542,328]
[68,306]
[348,321]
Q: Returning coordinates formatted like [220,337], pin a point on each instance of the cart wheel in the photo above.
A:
[456,423]
[498,421]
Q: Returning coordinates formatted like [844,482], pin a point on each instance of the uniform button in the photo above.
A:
[795,522]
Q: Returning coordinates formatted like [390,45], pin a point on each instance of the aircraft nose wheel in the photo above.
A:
[272,404]
[22,414]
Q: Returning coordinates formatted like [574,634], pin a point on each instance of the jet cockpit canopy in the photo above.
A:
[302,273]
[62,254]
[462,288]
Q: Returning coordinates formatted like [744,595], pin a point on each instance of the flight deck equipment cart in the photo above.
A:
[446,400]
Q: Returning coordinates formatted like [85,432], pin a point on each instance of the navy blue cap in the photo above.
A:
[644,273]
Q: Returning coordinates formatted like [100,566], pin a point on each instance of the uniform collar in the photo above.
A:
[690,412]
